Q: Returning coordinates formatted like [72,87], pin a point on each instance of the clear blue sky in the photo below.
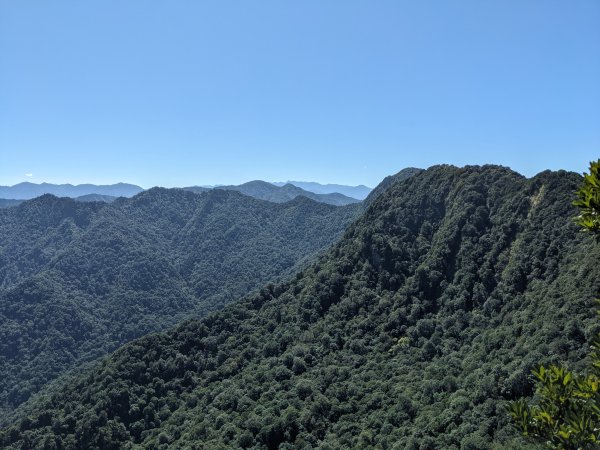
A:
[177,93]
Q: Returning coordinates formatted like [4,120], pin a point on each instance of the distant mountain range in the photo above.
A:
[359,192]
[26,190]
[280,194]
[6,203]
[332,194]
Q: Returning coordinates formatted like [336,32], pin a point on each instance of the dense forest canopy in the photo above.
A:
[78,279]
[412,332]
[565,411]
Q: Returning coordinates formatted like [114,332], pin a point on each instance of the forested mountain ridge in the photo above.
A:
[13,195]
[8,203]
[389,181]
[81,279]
[409,333]
[96,198]
[32,233]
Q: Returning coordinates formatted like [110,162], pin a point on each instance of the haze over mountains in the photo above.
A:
[26,190]
[411,331]
[359,192]
[279,194]
[274,192]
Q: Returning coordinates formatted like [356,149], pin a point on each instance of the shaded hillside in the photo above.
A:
[26,190]
[410,333]
[280,194]
[83,278]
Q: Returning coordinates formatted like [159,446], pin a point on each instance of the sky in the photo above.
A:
[178,93]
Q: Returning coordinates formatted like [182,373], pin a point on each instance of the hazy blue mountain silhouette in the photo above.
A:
[359,192]
[26,190]
[279,194]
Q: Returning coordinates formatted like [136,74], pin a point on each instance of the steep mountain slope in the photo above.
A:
[409,333]
[83,278]
[24,191]
[280,194]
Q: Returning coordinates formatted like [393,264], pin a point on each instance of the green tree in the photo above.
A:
[588,200]
[567,415]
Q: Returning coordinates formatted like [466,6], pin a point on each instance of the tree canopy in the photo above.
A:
[411,332]
[566,412]
[77,280]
